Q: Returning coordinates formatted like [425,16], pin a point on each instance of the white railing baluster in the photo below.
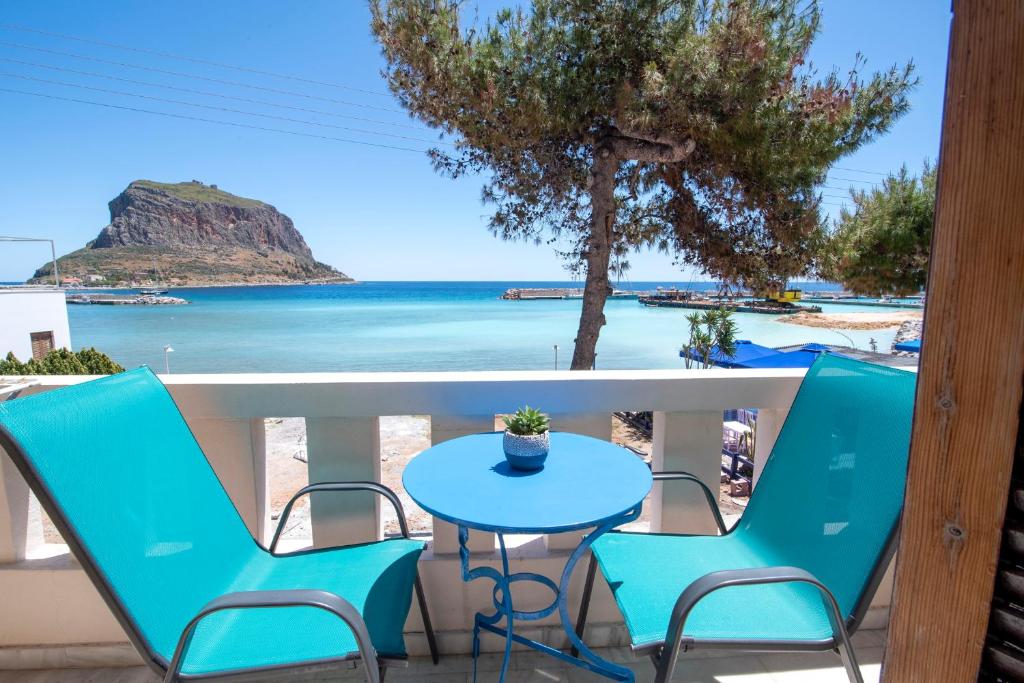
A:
[344,449]
[687,442]
[13,512]
[237,449]
[444,428]
[769,424]
[597,425]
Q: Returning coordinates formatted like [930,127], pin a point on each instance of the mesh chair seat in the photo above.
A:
[376,578]
[647,572]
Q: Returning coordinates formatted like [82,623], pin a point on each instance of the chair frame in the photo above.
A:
[170,670]
[665,654]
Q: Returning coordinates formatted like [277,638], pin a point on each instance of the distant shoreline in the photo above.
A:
[211,285]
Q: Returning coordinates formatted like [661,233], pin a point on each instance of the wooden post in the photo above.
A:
[969,387]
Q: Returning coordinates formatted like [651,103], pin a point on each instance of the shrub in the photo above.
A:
[62,362]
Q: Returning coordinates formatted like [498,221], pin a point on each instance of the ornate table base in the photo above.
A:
[502,598]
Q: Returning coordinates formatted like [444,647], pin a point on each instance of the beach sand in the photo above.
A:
[854,321]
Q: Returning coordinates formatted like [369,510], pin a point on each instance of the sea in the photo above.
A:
[408,326]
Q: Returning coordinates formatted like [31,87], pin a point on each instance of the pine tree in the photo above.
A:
[882,246]
[692,126]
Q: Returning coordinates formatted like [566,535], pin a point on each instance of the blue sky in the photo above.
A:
[372,212]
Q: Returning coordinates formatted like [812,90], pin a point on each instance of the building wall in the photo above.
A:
[24,311]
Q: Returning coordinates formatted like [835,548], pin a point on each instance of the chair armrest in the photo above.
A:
[329,602]
[708,494]
[371,486]
[709,583]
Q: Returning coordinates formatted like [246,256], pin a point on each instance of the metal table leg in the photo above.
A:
[502,599]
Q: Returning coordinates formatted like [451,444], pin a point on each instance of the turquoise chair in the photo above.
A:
[114,464]
[799,569]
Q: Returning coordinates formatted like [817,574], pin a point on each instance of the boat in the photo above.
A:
[159,290]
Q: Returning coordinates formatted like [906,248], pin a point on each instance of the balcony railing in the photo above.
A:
[50,604]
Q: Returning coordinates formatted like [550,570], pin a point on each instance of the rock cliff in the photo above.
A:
[193,234]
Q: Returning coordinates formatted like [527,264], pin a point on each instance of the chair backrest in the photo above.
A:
[831,492]
[116,465]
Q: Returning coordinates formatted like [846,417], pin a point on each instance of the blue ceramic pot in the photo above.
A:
[526,452]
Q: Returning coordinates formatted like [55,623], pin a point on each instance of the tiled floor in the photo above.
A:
[530,667]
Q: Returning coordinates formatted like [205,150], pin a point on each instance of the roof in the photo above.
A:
[746,352]
[751,355]
[913,345]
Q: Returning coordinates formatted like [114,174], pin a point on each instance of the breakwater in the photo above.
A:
[540,293]
[738,307]
[124,300]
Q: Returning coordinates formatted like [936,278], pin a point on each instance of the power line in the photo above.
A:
[858,170]
[194,60]
[207,93]
[855,180]
[220,81]
[216,121]
[216,108]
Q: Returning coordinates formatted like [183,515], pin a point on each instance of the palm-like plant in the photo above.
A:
[708,330]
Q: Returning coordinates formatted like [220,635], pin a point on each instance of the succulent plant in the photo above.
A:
[527,421]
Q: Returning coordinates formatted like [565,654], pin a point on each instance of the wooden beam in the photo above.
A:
[969,386]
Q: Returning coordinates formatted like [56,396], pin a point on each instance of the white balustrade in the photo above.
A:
[342,413]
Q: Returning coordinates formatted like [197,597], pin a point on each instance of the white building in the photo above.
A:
[33,321]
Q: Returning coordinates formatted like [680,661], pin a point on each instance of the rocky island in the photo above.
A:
[192,234]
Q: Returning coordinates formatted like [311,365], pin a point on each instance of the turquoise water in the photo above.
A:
[378,326]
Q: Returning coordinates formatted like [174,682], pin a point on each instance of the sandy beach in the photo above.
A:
[854,321]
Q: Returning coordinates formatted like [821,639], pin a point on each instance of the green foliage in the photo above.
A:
[718,128]
[709,329]
[198,192]
[62,362]
[527,421]
[883,245]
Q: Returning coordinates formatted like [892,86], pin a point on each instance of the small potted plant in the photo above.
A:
[527,439]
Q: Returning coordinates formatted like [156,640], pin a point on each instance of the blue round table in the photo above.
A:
[584,483]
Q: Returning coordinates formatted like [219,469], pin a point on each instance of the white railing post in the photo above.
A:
[14,495]
[688,442]
[769,424]
[597,425]
[237,449]
[344,449]
[444,428]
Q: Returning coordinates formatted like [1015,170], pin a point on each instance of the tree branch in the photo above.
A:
[637,149]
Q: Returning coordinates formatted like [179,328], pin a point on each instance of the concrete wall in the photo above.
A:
[27,310]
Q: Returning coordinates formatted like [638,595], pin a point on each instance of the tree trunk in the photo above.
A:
[598,256]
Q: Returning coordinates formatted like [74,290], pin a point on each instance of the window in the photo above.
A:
[42,344]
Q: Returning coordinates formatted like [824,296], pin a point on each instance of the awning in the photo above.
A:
[914,346]
[746,352]
[751,355]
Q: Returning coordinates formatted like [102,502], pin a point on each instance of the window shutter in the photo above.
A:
[1003,658]
[42,344]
